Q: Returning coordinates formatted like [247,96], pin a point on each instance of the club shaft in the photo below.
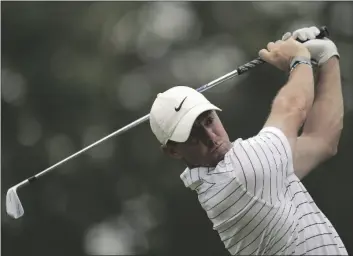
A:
[217,81]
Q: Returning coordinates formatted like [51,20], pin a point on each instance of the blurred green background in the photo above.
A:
[73,72]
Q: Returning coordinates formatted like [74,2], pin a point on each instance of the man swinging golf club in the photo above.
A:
[251,189]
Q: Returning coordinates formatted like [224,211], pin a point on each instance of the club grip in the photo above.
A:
[254,63]
[323,33]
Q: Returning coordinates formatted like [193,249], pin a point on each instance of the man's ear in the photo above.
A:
[171,151]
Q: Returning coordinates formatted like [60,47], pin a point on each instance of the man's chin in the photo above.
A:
[221,152]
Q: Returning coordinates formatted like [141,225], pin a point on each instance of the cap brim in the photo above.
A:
[183,128]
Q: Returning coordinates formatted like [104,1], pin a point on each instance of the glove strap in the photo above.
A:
[299,60]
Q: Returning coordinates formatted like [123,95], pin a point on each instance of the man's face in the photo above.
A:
[207,144]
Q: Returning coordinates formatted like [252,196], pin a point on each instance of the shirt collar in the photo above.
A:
[193,177]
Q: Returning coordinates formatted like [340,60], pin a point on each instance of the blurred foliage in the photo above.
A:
[73,72]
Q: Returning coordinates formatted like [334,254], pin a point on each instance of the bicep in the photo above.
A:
[310,151]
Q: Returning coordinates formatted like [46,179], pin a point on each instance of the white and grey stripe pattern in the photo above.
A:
[258,205]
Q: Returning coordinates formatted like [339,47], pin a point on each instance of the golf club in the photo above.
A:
[14,206]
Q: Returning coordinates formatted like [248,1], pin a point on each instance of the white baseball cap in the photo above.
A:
[174,112]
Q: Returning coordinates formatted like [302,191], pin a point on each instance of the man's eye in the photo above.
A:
[209,120]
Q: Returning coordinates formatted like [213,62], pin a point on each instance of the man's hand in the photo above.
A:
[321,50]
[281,53]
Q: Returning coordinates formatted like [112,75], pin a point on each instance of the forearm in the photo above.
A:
[299,90]
[292,103]
[325,120]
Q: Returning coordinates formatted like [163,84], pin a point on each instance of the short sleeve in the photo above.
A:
[262,163]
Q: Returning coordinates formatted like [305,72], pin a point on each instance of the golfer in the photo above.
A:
[251,189]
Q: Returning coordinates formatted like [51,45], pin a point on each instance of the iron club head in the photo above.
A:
[13,204]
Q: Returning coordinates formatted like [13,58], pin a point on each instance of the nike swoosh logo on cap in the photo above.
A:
[179,107]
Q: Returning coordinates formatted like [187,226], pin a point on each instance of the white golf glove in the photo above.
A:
[321,50]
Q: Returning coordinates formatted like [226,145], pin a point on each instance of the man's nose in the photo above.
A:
[209,138]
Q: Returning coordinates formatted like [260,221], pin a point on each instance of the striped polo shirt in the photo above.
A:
[257,204]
